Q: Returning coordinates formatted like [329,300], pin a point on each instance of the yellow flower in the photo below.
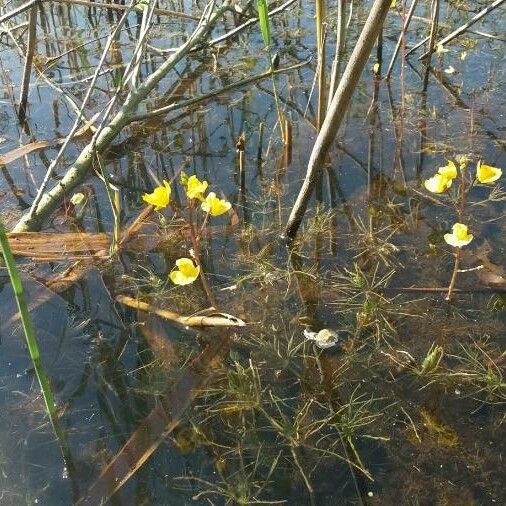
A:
[459,236]
[215,206]
[195,188]
[487,174]
[160,197]
[449,171]
[186,272]
[438,183]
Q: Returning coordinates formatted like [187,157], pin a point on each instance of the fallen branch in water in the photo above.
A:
[162,420]
[104,136]
[210,319]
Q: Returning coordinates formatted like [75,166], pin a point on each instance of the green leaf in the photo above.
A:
[263,19]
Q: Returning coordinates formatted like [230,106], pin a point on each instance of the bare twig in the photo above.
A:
[196,100]
[337,110]
[399,42]
[104,136]
[27,71]
[464,27]
[80,117]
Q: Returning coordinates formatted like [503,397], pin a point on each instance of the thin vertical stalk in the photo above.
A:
[379,53]
[196,255]
[340,42]
[401,38]
[113,196]
[263,20]
[27,71]
[320,48]
[337,111]
[460,212]
[432,40]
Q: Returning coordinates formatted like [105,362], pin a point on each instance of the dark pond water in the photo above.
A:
[407,407]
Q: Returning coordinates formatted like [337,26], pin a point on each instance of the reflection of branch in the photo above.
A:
[94,5]
[162,420]
[463,28]
[440,78]
[196,100]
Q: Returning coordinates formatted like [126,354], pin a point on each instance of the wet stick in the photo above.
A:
[30,51]
[320,48]
[340,43]
[337,111]
[401,38]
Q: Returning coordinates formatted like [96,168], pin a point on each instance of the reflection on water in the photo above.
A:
[408,405]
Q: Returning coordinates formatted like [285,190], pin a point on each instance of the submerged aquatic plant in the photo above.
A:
[441,182]
[360,295]
[480,367]
[186,272]
[431,361]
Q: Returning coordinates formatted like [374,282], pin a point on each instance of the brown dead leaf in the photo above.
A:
[16,153]
[58,246]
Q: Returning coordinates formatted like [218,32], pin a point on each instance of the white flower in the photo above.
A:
[324,339]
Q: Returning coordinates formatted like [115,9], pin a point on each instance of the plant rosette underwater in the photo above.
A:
[442,182]
[186,270]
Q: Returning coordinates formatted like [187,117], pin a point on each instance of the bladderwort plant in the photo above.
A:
[458,196]
[187,270]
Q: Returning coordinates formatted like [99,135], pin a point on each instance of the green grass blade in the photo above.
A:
[29,331]
[33,349]
[263,19]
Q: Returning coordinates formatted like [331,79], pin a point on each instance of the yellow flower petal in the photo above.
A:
[160,197]
[215,206]
[459,236]
[449,171]
[186,273]
[437,183]
[487,174]
[195,188]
